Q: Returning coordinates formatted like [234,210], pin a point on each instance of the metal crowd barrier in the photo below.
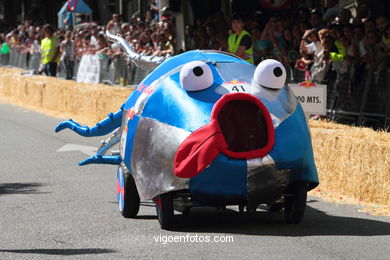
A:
[113,71]
[361,100]
[21,60]
[34,62]
[4,59]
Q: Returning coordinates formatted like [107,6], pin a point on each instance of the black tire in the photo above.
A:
[221,208]
[186,211]
[164,208]
[131,197]
[295,202]
[275,207]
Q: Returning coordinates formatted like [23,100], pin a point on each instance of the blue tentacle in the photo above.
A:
[104,127]
[102,159]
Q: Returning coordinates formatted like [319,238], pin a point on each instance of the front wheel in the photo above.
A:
[127,194]
[164,208]
[295,202]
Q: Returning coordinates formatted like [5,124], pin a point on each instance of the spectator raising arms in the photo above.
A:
[310,51]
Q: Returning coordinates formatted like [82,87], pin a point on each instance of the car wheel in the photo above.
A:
[127,194]
[164,208]
[186,211]
[275,207]
[295,202]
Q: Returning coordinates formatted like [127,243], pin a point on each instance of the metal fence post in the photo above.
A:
[387,112]
[367,87]
[332,98]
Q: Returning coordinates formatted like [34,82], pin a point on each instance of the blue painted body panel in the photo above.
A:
[293,149]
[224,181]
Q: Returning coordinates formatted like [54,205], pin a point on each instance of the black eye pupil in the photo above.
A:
[198,71]
[278,72]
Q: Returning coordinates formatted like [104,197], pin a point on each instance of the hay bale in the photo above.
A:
[353,161]
[85,103]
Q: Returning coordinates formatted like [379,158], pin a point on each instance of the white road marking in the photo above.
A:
[88,150]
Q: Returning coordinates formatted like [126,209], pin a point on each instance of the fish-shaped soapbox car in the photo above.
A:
[206,128]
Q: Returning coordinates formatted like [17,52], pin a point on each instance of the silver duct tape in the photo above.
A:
[146,62]
[105,145]
[140,104]
[123,139]
[155,145]
[290,100]
[265,183]
[258,162]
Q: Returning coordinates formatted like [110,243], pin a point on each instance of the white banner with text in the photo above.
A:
[312,97]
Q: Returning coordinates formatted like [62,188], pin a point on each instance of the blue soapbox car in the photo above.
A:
[206,128]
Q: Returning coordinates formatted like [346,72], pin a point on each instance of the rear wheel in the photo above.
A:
[295,202]
[164,208]
[127,194]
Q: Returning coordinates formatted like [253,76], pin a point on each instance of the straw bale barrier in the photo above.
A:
[86,103]
[351,161]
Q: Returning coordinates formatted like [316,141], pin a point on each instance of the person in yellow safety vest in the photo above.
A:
[50,51]
[240,42]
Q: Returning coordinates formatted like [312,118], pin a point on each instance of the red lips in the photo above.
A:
[240,127]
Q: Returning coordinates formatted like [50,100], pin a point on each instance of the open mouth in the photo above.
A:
[240,127]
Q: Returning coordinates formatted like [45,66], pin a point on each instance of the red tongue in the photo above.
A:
[198,150]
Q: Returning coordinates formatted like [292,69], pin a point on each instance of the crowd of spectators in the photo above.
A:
[149,37]
[332,48]
[307,39]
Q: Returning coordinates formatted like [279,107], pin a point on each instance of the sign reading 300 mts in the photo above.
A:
[311,96]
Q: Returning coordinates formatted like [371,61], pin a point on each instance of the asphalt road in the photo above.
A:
[51,208]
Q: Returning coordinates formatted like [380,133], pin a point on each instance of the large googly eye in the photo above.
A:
[196,75]
[270,74]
